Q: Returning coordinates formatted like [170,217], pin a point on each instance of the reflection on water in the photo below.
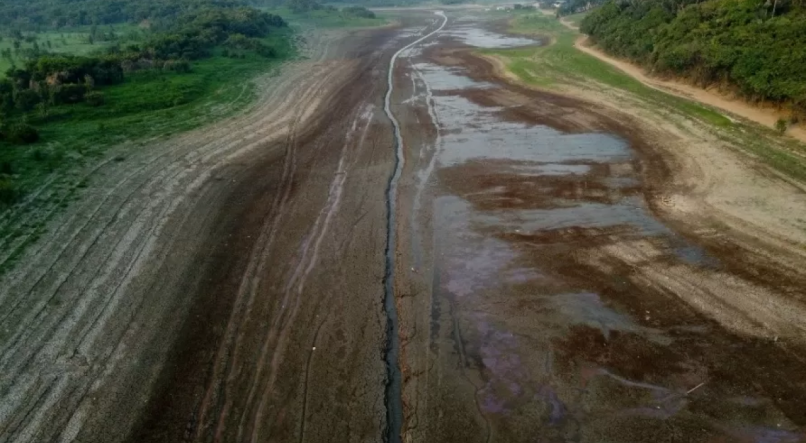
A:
[551,169]
[471,35]
[586,308]
[587,215]
[473,131]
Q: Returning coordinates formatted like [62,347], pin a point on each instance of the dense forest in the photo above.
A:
[47,80]
[755,48]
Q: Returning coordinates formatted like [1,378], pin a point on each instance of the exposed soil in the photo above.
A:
[583,288]
[566,267]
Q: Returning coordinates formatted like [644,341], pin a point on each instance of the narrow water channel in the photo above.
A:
[394,403]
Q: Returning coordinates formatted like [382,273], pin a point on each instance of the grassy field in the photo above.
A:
[558,63]
[67,41]
[576,19]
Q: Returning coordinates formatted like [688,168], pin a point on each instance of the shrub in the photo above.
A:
[69,93]
[359,11]
[26,100]
[780,125]
[8,191]
[40,155]
[180,66]
[22,134]
[95,98]
[756,48]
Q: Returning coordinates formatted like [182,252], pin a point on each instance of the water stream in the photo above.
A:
[394,401]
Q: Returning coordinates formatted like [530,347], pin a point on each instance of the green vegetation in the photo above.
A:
[68,108]
[780,125]
[329,19]
[755,48]
[553,64]
[573,7]
[91,74]
[275,4]
[79,41]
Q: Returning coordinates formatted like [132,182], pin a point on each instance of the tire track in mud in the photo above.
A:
[95,240]
[297,282]
[394,400]
[239,397]
[250,281]
[277,335]
[150,164]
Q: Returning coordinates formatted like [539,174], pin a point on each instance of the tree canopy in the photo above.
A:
[756,48]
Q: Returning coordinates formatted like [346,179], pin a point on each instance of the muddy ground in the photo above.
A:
[554,289]
[183,297]
[549,283]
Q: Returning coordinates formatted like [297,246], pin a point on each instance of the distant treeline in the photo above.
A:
[756,48]
[362,3]
[30,14]
[573,6]
[52,80]
[302,6]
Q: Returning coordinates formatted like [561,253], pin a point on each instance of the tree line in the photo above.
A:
[36,14]
[755,48]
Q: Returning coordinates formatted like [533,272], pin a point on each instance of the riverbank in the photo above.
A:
[728,184]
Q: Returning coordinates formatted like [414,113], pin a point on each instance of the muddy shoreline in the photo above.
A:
[651,296]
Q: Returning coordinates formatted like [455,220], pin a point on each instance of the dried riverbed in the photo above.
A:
[560,306]
[429,254]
